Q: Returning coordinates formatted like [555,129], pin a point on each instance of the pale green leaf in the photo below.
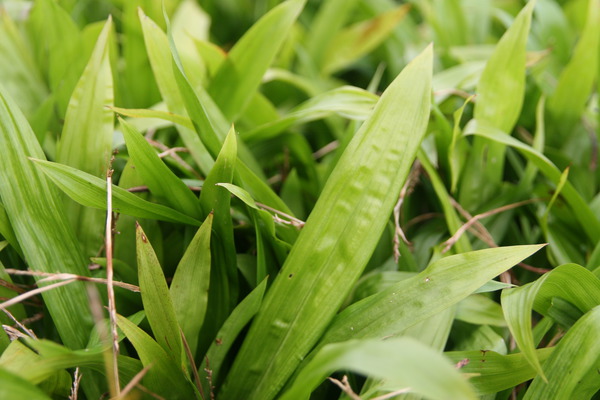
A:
[240,74]
[338,238]
[161,181]
[572,369]
[570,282]
[189,288]
[402,362]
[90,191]
[357,40]
[165,376]
[158,304]
[34,209]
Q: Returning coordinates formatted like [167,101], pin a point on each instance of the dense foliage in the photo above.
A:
[401,197]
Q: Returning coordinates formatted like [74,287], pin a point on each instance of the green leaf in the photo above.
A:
[158,304]
[224,274]
[86,140]
[159,114]
[577,79]
[402,362]
[444,283]
[225,338]
[357,40]
[582,212]
[18,72]
[572,369]
[239,76]
[59,50]
[480,310]
[500,95]
[161,181]
[165,376]
[240,194]
[492,372]
[189,288]
[570,282]
[341,233]
[13,387]
[35,212]
[90,191]
[157,47]
[347,101]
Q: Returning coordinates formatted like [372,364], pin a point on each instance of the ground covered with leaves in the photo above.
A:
[299,199]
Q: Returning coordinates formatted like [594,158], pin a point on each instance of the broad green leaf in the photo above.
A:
[19,74]
[347,101]
[35,213]
[20,359]
[239,318]
[157,47]
[444,283]
[492,372]
[59,50]
[586,218]
[239,76]
[48,359]
[577,79]
[189,288]
[158,114]
[329,20]
[357,40]
[13,387]
[569,282]
[90,191]
[205,115]
[165,376]
[480,310]
[7,231]
[86,140]
[402,362]
[240,194]
[338,238]
[500,93]
[223,274]
[211,124]
[572,369]
[161,181]
[158,304]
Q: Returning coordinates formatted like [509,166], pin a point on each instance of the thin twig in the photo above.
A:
[134,382]
[141,189]
[209,379]
[328,148]
[173,153]
[345,386]
[112,308]
[34,292]
[49,276]
[393,394]
[292,220]
[13,333]
[450,242]
[478,228]
[19,324]
[407,189]
[190,356]
[75,387]
[149,392]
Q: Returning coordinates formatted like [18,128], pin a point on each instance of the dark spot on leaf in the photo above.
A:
[290,276]
[218,341]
